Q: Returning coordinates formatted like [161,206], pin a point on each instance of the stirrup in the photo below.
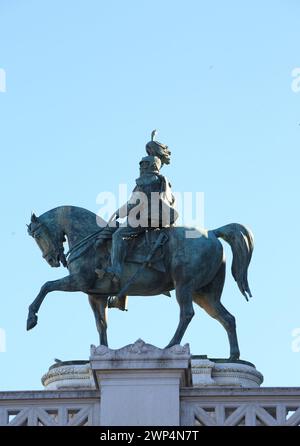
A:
[118,302]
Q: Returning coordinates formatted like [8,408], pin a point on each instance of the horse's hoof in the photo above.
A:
[31,321]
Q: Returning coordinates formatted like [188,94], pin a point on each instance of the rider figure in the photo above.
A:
[155,208]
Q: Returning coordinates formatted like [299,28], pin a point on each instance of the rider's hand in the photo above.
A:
[115,216]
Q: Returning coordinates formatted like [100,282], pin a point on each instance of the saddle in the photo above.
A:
[147,248]
[140,246]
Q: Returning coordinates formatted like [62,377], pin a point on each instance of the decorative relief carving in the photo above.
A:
[141,349]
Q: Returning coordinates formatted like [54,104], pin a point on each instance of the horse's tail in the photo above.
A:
[240,240]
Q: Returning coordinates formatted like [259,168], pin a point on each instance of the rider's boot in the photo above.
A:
[118,302]
[118,256]
[99,242]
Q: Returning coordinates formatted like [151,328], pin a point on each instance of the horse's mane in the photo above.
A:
[83,219]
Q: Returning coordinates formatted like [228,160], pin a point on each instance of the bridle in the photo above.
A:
[56,251]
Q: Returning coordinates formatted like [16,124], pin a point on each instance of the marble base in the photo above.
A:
[204,372]
[222,372]
[69,375]
[140,383]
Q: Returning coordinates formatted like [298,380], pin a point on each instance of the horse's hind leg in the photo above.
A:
[184,299]
[99,307]
[209,299]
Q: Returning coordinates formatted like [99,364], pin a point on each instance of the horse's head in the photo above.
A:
[52,249]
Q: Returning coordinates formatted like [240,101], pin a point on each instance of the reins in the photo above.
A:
[82,242]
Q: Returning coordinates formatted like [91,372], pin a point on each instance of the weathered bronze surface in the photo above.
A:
[166,256]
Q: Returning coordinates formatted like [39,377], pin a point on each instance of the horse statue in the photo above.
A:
[193,266]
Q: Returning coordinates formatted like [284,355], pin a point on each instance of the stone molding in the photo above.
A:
[77,376]
[141,350]
[206,372]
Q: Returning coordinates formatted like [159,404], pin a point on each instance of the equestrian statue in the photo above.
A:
[145,255]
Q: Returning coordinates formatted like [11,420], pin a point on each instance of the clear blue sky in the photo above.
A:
[87,81]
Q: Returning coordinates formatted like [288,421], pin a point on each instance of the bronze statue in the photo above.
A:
[156,209]
[194,267]
[149,186]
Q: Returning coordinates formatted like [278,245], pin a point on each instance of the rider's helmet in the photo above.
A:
[155,148]
[150,164]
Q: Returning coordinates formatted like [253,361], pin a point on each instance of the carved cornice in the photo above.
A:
[140,350]
[239,371]
[63,373]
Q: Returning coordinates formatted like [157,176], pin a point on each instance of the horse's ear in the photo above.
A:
[29,229]
[34,218]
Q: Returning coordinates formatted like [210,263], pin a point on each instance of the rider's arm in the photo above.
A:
[124,210]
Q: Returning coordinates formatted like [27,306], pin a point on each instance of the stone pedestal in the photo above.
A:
[139,384]
[142,385]
[67,375]
[222,372]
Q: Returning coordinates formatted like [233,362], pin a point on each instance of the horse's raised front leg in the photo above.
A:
[68,283]
[99,307]
[185,301]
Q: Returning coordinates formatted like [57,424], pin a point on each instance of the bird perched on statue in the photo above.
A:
[155,148]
